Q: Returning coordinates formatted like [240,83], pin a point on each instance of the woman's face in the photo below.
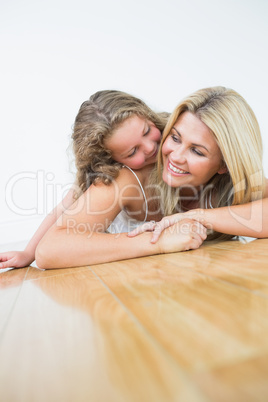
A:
[135,143]
[191,156]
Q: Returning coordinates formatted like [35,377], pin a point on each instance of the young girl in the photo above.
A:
[222,116]
[112,128]
[210,156]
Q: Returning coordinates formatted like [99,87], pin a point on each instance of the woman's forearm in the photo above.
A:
[58,249]
[47,223]
[61,247]
[49,220]
[239,220]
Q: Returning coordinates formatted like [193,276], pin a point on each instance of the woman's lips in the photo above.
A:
[175,169]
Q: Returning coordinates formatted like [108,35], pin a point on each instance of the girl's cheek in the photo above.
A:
[157,135]
[137,163]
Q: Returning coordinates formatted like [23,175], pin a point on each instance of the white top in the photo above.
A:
[123,222]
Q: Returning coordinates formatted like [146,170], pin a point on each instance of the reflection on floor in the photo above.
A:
[189,326]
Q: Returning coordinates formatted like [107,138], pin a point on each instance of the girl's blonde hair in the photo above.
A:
[95,122]
[236,130]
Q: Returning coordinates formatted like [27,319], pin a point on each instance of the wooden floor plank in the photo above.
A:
[189,313]
[36,273]
[247,246]
[10,286]
[245,381]
[227,265]
[69,339]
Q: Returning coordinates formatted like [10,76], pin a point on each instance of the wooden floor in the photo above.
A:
[185,327]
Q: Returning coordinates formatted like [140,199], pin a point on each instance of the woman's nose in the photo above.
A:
[178,155]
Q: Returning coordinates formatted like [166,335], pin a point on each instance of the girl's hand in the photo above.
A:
[15,259]
[185,235]
[157,227]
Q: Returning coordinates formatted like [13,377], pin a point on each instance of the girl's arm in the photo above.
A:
[78,238]
[18,259]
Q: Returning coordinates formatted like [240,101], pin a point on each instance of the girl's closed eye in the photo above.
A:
[132,153]
[147,131]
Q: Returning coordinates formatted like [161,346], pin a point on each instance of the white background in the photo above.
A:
[56,53]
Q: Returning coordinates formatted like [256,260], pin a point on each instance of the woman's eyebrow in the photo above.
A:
[196,145]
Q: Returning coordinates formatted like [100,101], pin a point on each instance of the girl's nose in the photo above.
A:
[148,147]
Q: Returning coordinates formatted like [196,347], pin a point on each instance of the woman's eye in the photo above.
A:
[197,152]
[175,138]
[132,153]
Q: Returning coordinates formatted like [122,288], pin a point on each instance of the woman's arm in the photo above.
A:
[249,219]
[58,249]
[239,220]
[24,258]
[78,238]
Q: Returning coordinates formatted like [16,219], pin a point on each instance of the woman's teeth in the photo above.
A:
[176,170]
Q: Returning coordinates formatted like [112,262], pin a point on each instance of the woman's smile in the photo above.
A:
[175,170]
[190,153]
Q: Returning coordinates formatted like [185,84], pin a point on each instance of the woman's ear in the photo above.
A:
[223,169]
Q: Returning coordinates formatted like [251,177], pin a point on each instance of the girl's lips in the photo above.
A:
[174,170]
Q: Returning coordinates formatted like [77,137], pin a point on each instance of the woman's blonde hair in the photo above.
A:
[236,130]
[95,122]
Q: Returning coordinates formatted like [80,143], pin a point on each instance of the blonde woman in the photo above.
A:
[210,121]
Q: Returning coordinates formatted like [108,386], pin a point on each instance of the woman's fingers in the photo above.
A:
[146,227]
[200,229]
[187,225]
[152,226]
[159,228]
[198,233]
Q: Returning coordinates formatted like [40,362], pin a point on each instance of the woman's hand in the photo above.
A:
[15,259]
[184,235]
[157,227]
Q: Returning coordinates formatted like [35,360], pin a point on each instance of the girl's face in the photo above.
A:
[135,143]
[191,156]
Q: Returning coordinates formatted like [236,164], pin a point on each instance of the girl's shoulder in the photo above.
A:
[127,182]
[132,176]
[131,184]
